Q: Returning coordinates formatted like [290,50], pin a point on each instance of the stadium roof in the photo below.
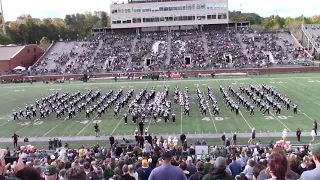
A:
[7,52]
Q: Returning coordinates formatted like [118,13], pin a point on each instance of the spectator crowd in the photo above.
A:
[161,159]
[176,50]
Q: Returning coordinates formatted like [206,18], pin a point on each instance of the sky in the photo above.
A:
[59,8]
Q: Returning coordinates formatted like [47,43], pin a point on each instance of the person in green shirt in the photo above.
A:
[207,165]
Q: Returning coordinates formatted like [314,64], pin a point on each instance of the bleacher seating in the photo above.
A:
[209,49]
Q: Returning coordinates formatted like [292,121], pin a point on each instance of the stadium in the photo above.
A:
[168,69]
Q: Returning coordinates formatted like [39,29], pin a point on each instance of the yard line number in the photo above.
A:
[279,117]
[30,123]
[93,122]
[215,118]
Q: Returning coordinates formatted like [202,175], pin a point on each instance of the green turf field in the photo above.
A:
[302,89]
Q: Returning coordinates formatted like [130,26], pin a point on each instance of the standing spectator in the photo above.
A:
[166,170]
[235,167]
[234,139]
[15,140]
[111,139]
[147,148]
[223,139]
[26,141]
[144,171]
[315,127]
[315,173]
[298,133]
[126,175]
[207,165]
[218,171]
[183,138]
[199,174]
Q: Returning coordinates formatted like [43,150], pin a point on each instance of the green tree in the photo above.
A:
[44,43]
[5,39]
[104,18]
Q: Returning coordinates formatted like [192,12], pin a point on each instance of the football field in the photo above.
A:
[302,89]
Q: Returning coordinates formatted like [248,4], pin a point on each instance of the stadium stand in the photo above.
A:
[176,50]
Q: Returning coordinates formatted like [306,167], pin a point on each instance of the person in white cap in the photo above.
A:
[165,144]
[284,135]
[169,140]
[175,141]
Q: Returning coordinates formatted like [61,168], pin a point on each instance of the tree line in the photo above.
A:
[74,26]
[78,26]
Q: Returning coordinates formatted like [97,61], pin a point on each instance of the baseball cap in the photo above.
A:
[220,161]
[166,155]
[92,176]
[52,157]
[189,158]
[315,149]
[50,170]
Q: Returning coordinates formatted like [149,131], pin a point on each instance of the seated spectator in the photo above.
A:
[218,171]
[75,174]
[248,170]
[199,174]
[131,172]
[144,171]
[191,167]
[126,175]
[166,170]
[315,173]
[257,168]
[278,166]
[184,167]
[235,167]
[207,165]
[50,173]
[305,165]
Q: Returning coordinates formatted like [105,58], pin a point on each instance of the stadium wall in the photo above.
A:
[277,70]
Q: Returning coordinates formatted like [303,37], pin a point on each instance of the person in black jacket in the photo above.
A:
[298,133]
[111,139]
[183,138]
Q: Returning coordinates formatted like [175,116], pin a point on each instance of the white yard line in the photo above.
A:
[4,123]
[115,128]
[140,82]
[181,109]
[205,98]
[23,128]
[299,109]
[55,126]
[87,124]
[302,85]
[291,89]
[241,112]
[272,113]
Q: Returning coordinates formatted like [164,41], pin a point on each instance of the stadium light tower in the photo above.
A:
[3,23]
